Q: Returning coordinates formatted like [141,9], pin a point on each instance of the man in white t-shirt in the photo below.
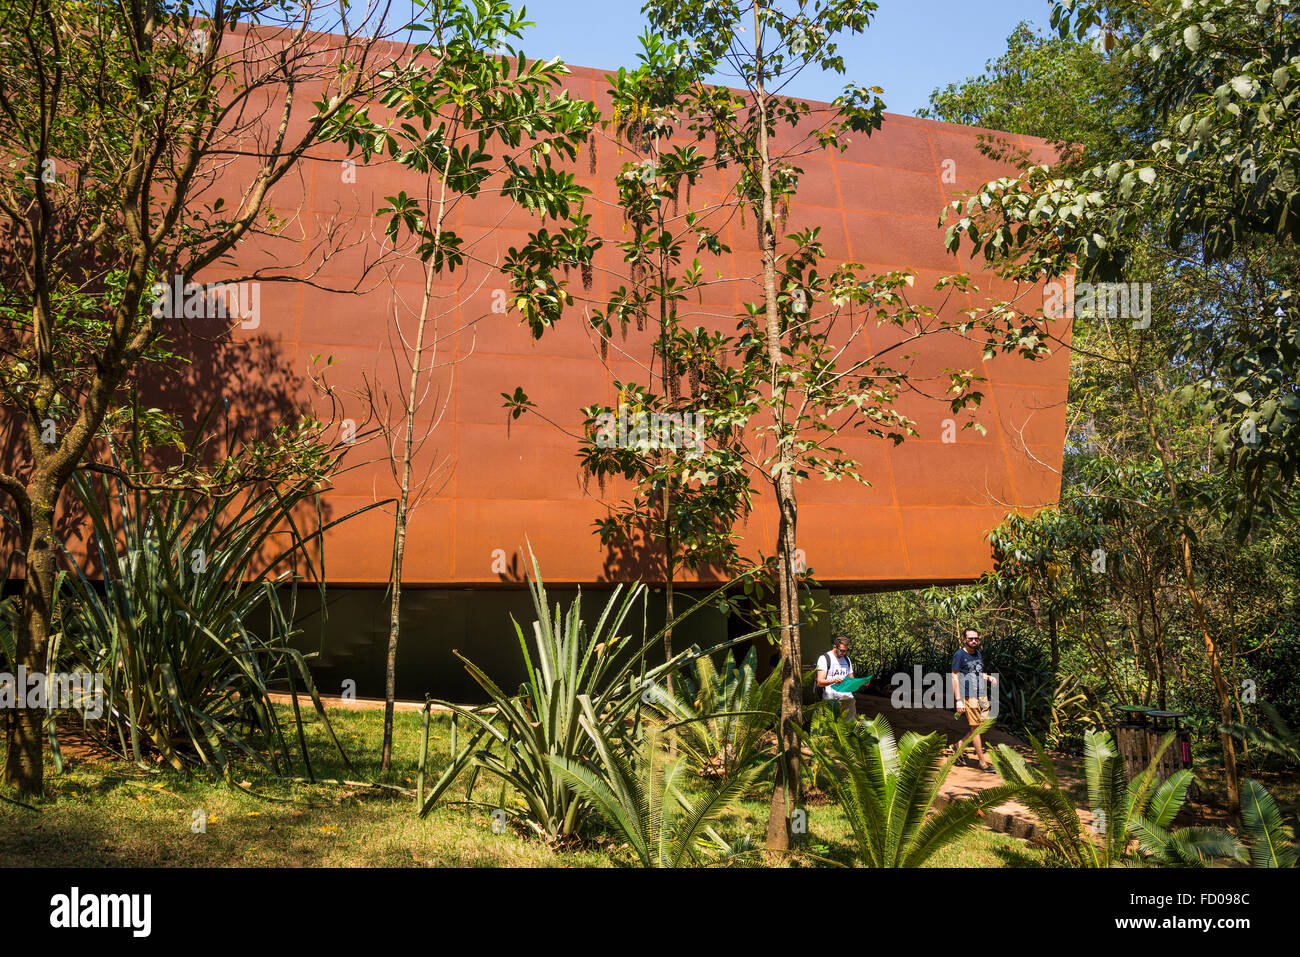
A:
[832,668]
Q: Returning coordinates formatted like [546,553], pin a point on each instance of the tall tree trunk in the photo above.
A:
[669,554]
[1198,607]
[25,738]
[1158,646]
[25,756]
[1055,640]
[400,520]
[404,492]
[1216,674]
[785,794]
[399,529]
[670,568]
[395,617]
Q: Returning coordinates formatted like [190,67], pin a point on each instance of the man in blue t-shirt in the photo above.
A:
[970,687]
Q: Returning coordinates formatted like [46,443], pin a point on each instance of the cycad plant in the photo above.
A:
[887,789]
[518,737]
[1125,812]
[184,576]
[720,718]
[644,795]
[1272,841]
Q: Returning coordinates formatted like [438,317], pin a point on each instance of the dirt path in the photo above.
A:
[966,779]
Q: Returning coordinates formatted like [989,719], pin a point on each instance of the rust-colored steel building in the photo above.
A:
[501,483]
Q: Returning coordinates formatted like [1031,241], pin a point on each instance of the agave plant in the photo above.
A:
[1124,811]
[184,575]
[720,718]
[641,794]
[518,738]
[887,789]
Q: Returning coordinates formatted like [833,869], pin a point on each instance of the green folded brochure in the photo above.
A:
[851,684]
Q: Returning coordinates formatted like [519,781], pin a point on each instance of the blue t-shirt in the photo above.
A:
[971,684]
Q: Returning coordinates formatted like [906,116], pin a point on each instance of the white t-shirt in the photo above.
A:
[837,669]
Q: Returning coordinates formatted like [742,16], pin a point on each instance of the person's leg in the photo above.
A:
[850,712]
[983,713]
[973,719]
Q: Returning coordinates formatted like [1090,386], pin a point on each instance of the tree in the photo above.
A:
[116,120]
[468,96]
[1213,181]
[795,385]
[686,501]
[664,436]
[1066,92]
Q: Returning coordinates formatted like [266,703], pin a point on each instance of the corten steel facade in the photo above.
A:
[923,520]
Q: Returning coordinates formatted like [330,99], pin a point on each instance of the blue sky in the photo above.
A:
[912,47]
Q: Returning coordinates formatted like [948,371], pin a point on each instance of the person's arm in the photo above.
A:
[822,680]
[956,686]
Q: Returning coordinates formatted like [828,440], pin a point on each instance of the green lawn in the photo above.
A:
[112,814]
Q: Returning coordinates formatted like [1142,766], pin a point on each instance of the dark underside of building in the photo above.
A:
[350,644]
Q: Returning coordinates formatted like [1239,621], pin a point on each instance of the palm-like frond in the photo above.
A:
[952,821]
[1039,789]
[887,790]
[1143,808]
[1101,762]
[1272,842]
[641,796]
[1196,846]
[698,816]
[1169,798]
[1279,738]
[1185,847]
